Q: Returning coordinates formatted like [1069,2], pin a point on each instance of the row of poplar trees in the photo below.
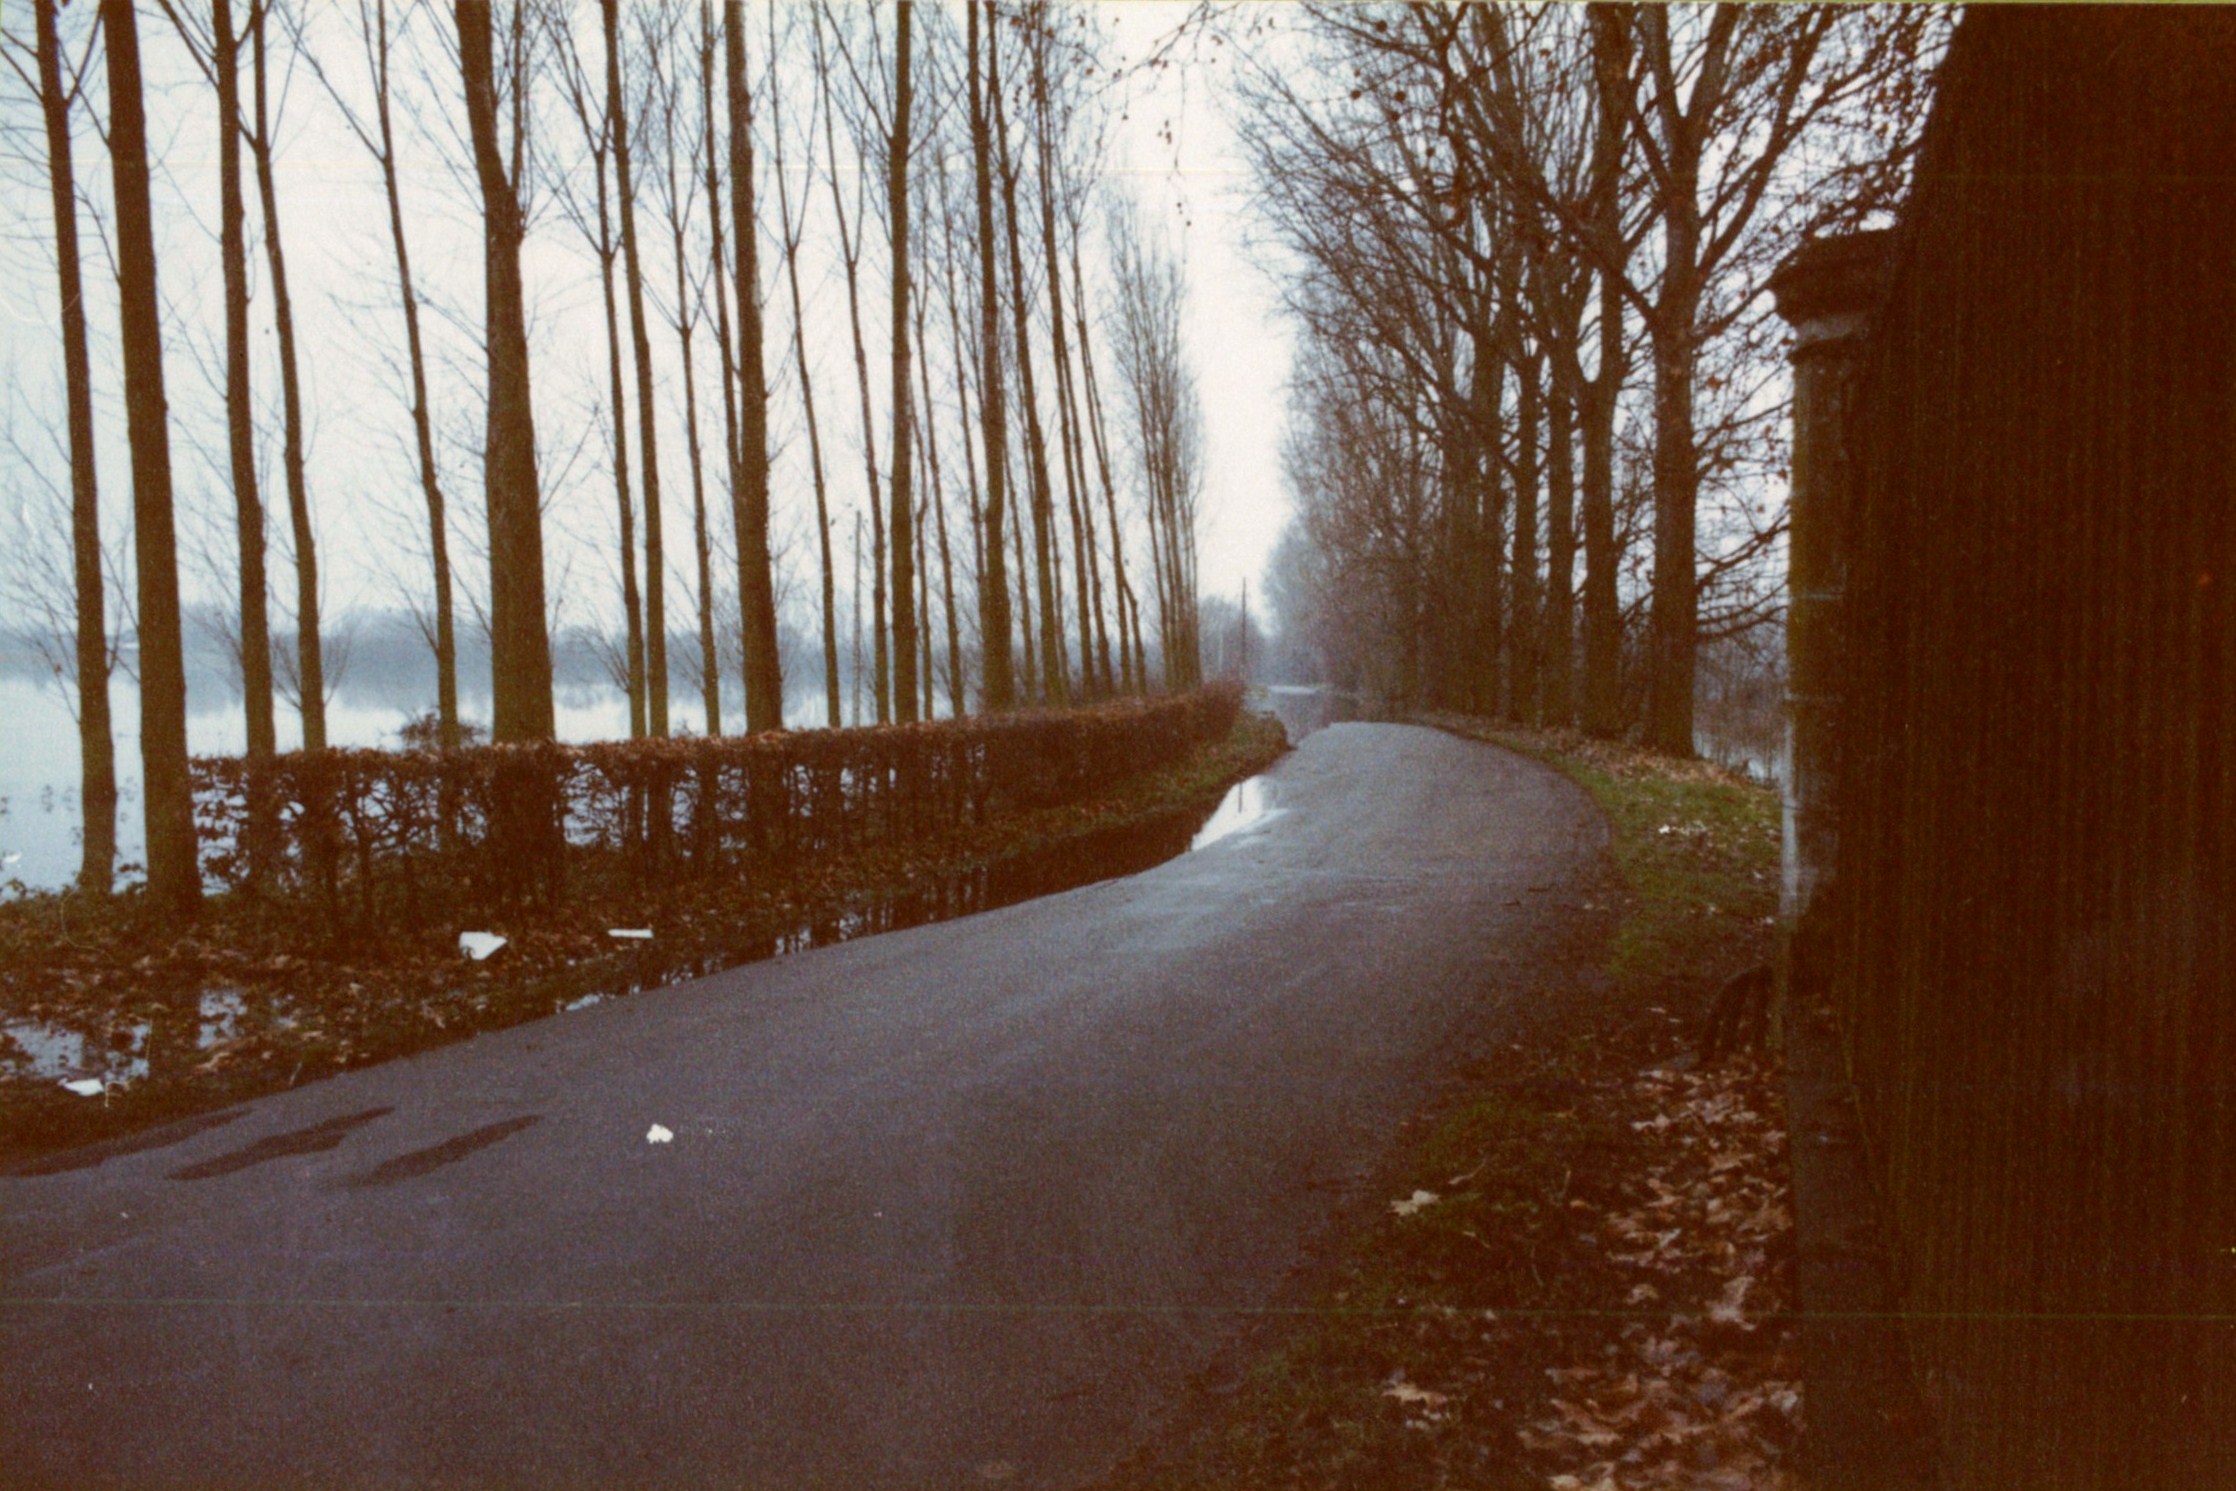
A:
[1009,80]
[1536,350]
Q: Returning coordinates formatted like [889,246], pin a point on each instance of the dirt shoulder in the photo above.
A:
[248,1002]
[1580,1276]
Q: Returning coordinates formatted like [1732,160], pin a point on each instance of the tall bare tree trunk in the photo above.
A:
[857,616]
[1603,636]
[764,667]
[831,709]
[852,236]
[423,437]
[723,340]
[648,413]
[993,586]
[240,408]
[174,874]
[903,463]
[964,355]
[1167,644]
[1127,658]
[96,746]
[1559,679]
[702,546]
[617,402]
[686,324]
[520,644]
[1674,328]
[939,518]
[924,611]
[1082,549]
[1024,606]
[1522,600]
[310,654]
[1054,670]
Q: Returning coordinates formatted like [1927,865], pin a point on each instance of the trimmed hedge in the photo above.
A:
[365,833]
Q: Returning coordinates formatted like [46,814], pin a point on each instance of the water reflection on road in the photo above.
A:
[46,1051]
[1246,803]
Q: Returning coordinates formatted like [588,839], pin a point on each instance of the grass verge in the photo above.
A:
[1576,1278]
[247,1002]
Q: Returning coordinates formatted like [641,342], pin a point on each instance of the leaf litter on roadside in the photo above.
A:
[1701,1387]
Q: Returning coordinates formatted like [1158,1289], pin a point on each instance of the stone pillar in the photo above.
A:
[1825,291]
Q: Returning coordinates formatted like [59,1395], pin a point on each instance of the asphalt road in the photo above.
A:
[955,1206]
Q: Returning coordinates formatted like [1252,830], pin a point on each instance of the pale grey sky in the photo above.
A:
[1191,184]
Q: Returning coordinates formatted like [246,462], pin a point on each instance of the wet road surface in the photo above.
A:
[954,1206]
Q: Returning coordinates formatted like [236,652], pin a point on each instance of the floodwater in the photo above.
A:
[40,815]
[1249,804]
[121,1053]
[33,1050]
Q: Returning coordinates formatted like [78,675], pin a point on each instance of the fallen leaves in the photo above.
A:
[1699,1388]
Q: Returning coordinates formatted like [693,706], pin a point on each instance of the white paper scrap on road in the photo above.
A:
[87,1087]
[634,934]
[659,1133]
[479,945]
[1413,1203]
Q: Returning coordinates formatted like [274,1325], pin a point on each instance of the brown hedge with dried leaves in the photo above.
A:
[362,834]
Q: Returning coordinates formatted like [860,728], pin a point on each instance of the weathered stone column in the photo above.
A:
[1825,291]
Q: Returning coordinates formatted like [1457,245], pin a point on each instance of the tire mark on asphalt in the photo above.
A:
[319,1136]
[423,1161]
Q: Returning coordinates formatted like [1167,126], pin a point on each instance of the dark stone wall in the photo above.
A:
[2038,803]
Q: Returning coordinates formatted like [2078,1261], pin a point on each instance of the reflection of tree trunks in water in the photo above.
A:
[173,1044]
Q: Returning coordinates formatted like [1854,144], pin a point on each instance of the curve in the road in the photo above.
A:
[961,1203]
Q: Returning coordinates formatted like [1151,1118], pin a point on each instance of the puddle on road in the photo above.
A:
[1248,804]
[49,1051]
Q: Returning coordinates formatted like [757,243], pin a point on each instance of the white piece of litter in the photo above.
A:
[1413,1203]
[87,1087]
[659,1134]
[479,945]
[633,934]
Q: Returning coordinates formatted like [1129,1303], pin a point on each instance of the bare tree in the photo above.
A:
[218,54]
[1054,668]
[310,657]
[519,636]
[379,140]
[174,873]
[792,234]
[993,588]
[764,665]
[594,220]
[1168,423]
[96,750]
[851,235]
[1133,673]
[659,33]
[1086,582]
[640,343]
[903,468]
